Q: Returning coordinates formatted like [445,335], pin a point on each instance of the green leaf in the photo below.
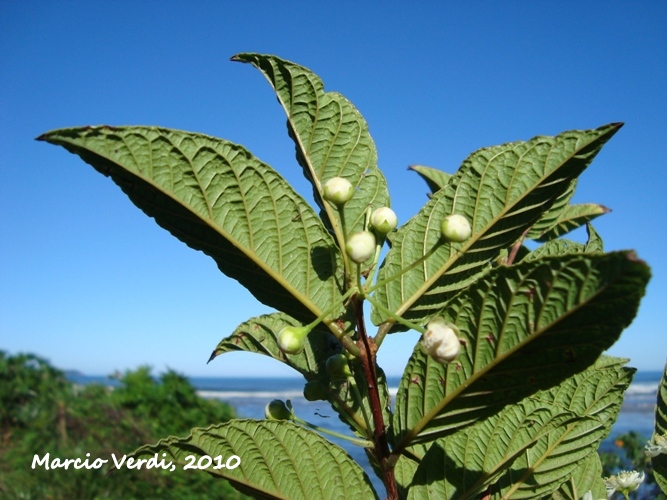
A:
[555,248]
[502,190]
[571,218]
[594,243]
[259,335]
[562,246]
[550,217]
[660,462]
[523,328]
[404,472]
[586,477]
[331,139]
[218,198]
[465,464]
[278,459]
[596,394]
[543,440]
[345,399]
[434,178]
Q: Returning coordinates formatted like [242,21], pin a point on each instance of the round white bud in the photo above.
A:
[360,246]
[384,220]
[441,340]
[338,191]
[455,228]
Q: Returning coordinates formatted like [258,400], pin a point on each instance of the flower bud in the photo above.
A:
[290,339]
[315,391]
[441,340]
[360,246]
[455,228]
[277,410]
[337,367]
[384,220]
[338,191]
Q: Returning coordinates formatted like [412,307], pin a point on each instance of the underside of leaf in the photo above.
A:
[278,460]
[259,335]
[522,328]
[218,198]
[331,139]
[502,191]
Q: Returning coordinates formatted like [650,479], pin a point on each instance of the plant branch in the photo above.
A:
[368,363]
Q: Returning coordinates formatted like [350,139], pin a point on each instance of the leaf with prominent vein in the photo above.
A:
[594,243]
[579,411]
[466,463]
[660,462]
[562,246]
[549,218]
[502,190]
[259,335]
[586,477]
[278,460]
[555,248]
[571,218]
[331,139]
[435,179]
[218,198]
[597,394]
[404,473]
[523,328]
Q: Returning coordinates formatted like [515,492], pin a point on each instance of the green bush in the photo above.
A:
[42,412]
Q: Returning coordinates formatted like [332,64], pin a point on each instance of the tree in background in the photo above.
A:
[42,412]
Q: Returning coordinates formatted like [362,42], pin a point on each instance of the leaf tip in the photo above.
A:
[632,256]
[241,57]
[214,354]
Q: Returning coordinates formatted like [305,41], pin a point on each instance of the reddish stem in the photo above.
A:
[368,362]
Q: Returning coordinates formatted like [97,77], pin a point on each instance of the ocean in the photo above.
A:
[249,396]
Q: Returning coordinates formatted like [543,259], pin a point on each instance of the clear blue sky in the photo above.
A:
[91,283]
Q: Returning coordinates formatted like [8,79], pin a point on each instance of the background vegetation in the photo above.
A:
[41,411]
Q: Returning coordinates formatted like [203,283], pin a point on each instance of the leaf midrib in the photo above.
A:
[445,267]
[315,178]
[433,413]
[305,300]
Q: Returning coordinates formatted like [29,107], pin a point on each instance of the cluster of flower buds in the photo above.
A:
[441,340]
[455,228]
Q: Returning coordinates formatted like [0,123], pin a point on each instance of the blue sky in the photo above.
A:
[91,283]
